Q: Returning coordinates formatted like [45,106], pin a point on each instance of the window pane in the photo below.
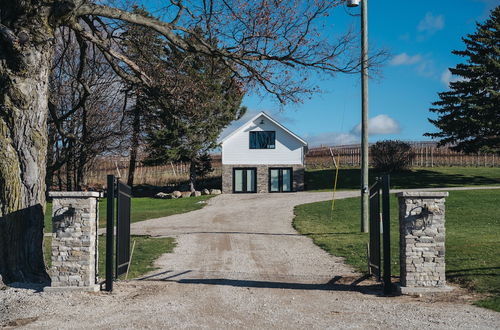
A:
[250,180]
[263,140]
[275,180]
[253,140]
[238,180]
[287,180]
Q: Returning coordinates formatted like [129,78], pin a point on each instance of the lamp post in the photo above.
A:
[364,111]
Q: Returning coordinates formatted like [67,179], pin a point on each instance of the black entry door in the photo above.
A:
[245,180]
[280,179]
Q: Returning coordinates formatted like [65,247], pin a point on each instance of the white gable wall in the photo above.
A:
[236,149]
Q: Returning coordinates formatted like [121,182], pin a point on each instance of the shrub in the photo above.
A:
[391,155]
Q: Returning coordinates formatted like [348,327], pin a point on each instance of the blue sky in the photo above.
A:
[420,36]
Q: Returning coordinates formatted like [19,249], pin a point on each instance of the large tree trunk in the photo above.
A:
[24,71]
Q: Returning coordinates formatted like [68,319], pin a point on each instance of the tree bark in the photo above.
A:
[82,155]
[192,176]
[136,130]
[24,71]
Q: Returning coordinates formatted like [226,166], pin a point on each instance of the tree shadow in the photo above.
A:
[264,234]
[458,273]
[21,246]
[362,284]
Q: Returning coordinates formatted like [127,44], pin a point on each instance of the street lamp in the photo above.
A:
[364,111]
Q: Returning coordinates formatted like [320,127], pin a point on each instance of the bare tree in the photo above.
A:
[271,45]
[86,105]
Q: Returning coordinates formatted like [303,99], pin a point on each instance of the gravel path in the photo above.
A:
[240,264]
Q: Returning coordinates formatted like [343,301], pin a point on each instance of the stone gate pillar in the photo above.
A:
[422,241]
[75,217]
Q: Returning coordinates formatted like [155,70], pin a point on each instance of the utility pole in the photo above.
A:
[364,117]
[364,111]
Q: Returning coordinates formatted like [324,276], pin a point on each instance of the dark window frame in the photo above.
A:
[280,179]
[244,180]
[254,133]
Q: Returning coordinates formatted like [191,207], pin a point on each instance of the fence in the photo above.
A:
[427,155]
[163,175]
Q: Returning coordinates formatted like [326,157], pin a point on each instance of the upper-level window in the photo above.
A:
[263,140]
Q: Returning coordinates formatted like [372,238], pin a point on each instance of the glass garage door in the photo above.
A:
[245,180]
[280,180]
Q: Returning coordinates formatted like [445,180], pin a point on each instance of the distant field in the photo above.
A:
[322,180]
[143,209]
[472,237]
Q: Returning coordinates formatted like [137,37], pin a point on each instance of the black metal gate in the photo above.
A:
[378,190]
[123,194]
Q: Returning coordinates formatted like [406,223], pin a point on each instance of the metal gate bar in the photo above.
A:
[110,216]
[124,194]
[378,213]
[374,245]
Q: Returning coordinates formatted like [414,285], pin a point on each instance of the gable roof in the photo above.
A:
[263,114]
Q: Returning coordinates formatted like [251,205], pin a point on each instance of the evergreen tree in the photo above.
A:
[198,100]
[469,113]
[145,47]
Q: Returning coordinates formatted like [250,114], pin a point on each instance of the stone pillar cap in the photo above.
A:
[75,194]
[424,194]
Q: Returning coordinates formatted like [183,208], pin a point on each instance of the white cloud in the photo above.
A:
[381,124]
[447,77]
[427,69]
[331,139]
[405,59]
[431,24]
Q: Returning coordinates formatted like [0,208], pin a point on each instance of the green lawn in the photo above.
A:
[472,237]
[415,178]
[143,208]
[146,251]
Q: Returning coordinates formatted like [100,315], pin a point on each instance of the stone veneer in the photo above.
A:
[74,240]
[262,177]
[422,239]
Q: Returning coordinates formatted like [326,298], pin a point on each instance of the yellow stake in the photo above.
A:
[334,182]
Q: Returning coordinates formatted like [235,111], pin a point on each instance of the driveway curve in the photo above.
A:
[240,264]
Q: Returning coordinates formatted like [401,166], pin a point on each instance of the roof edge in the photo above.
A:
[274,121]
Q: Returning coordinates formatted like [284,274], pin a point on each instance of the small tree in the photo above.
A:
[468,114]
[391,155]
[199,100]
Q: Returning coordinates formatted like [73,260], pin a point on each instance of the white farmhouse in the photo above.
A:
[262,156]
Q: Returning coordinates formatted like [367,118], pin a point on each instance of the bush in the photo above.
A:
[391,155]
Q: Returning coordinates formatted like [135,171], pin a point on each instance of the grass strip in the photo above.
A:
[143,208]
[472,237]
[322,180]
[147,250]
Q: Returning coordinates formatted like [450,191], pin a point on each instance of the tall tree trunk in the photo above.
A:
[192,175]
[49,175]
[24,72]
[82,155]
[69,166]
[136,130]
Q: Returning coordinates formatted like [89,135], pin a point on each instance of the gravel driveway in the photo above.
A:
[240,264]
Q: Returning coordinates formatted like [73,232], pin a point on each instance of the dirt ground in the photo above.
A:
[240,264]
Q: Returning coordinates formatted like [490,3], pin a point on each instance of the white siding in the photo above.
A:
[236,149]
